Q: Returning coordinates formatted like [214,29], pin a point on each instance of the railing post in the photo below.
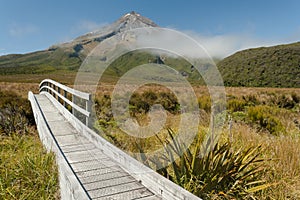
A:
[65,95]
[50,85]
[54,87]
[88,107]
[73,101]
[58,98]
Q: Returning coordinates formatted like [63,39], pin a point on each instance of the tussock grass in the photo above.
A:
[27,171]
[282,166]
[280,151]
[268,118]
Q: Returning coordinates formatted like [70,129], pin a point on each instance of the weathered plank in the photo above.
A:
[85,155]
[78,148]
[135,194]
[66,140]
[92,165]
[126,189]
[96,172]
[104,176]
[109,182]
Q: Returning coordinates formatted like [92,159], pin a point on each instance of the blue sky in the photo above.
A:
[223,26]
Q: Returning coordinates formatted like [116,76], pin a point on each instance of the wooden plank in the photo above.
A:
[78,148]
[83,156]
[58,128]
[97,172]
[138,194]
[109,183]
[65,140]
[116,189]
[92,165]
[53,116]
[104,176]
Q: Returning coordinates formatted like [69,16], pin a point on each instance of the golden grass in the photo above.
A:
[26,170]
[281,153]
[282,167]
[282,163]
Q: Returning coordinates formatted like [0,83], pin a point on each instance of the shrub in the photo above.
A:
[150,96]
[251,100]
[205,103]
[235,105]
[220,172]
[295,97]
[142,103]
[263,116]
[15,114]
[169,102]
[285,101]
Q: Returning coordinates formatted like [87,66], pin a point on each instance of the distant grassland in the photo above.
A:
[65,77]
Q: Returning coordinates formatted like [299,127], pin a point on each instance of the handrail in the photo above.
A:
[54,88]
[82,95]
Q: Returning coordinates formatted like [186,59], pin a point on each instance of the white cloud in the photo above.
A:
[17,30]
[219,46]
[225,45]
[215,45]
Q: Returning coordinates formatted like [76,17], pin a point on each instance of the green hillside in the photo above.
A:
[39,62]
[64,60]
[277,66]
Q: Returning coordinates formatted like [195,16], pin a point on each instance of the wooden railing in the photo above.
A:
[69,96]
[156,183]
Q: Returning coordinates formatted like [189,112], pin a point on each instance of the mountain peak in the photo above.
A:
[135,20]
[132,13]
[127,22]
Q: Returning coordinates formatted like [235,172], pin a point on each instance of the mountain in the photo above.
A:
[277,66]
[69,55]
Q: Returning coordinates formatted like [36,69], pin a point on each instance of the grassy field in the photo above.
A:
[27,171]
[264,121]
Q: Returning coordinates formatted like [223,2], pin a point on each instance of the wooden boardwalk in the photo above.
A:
[89,166]
[100,176]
